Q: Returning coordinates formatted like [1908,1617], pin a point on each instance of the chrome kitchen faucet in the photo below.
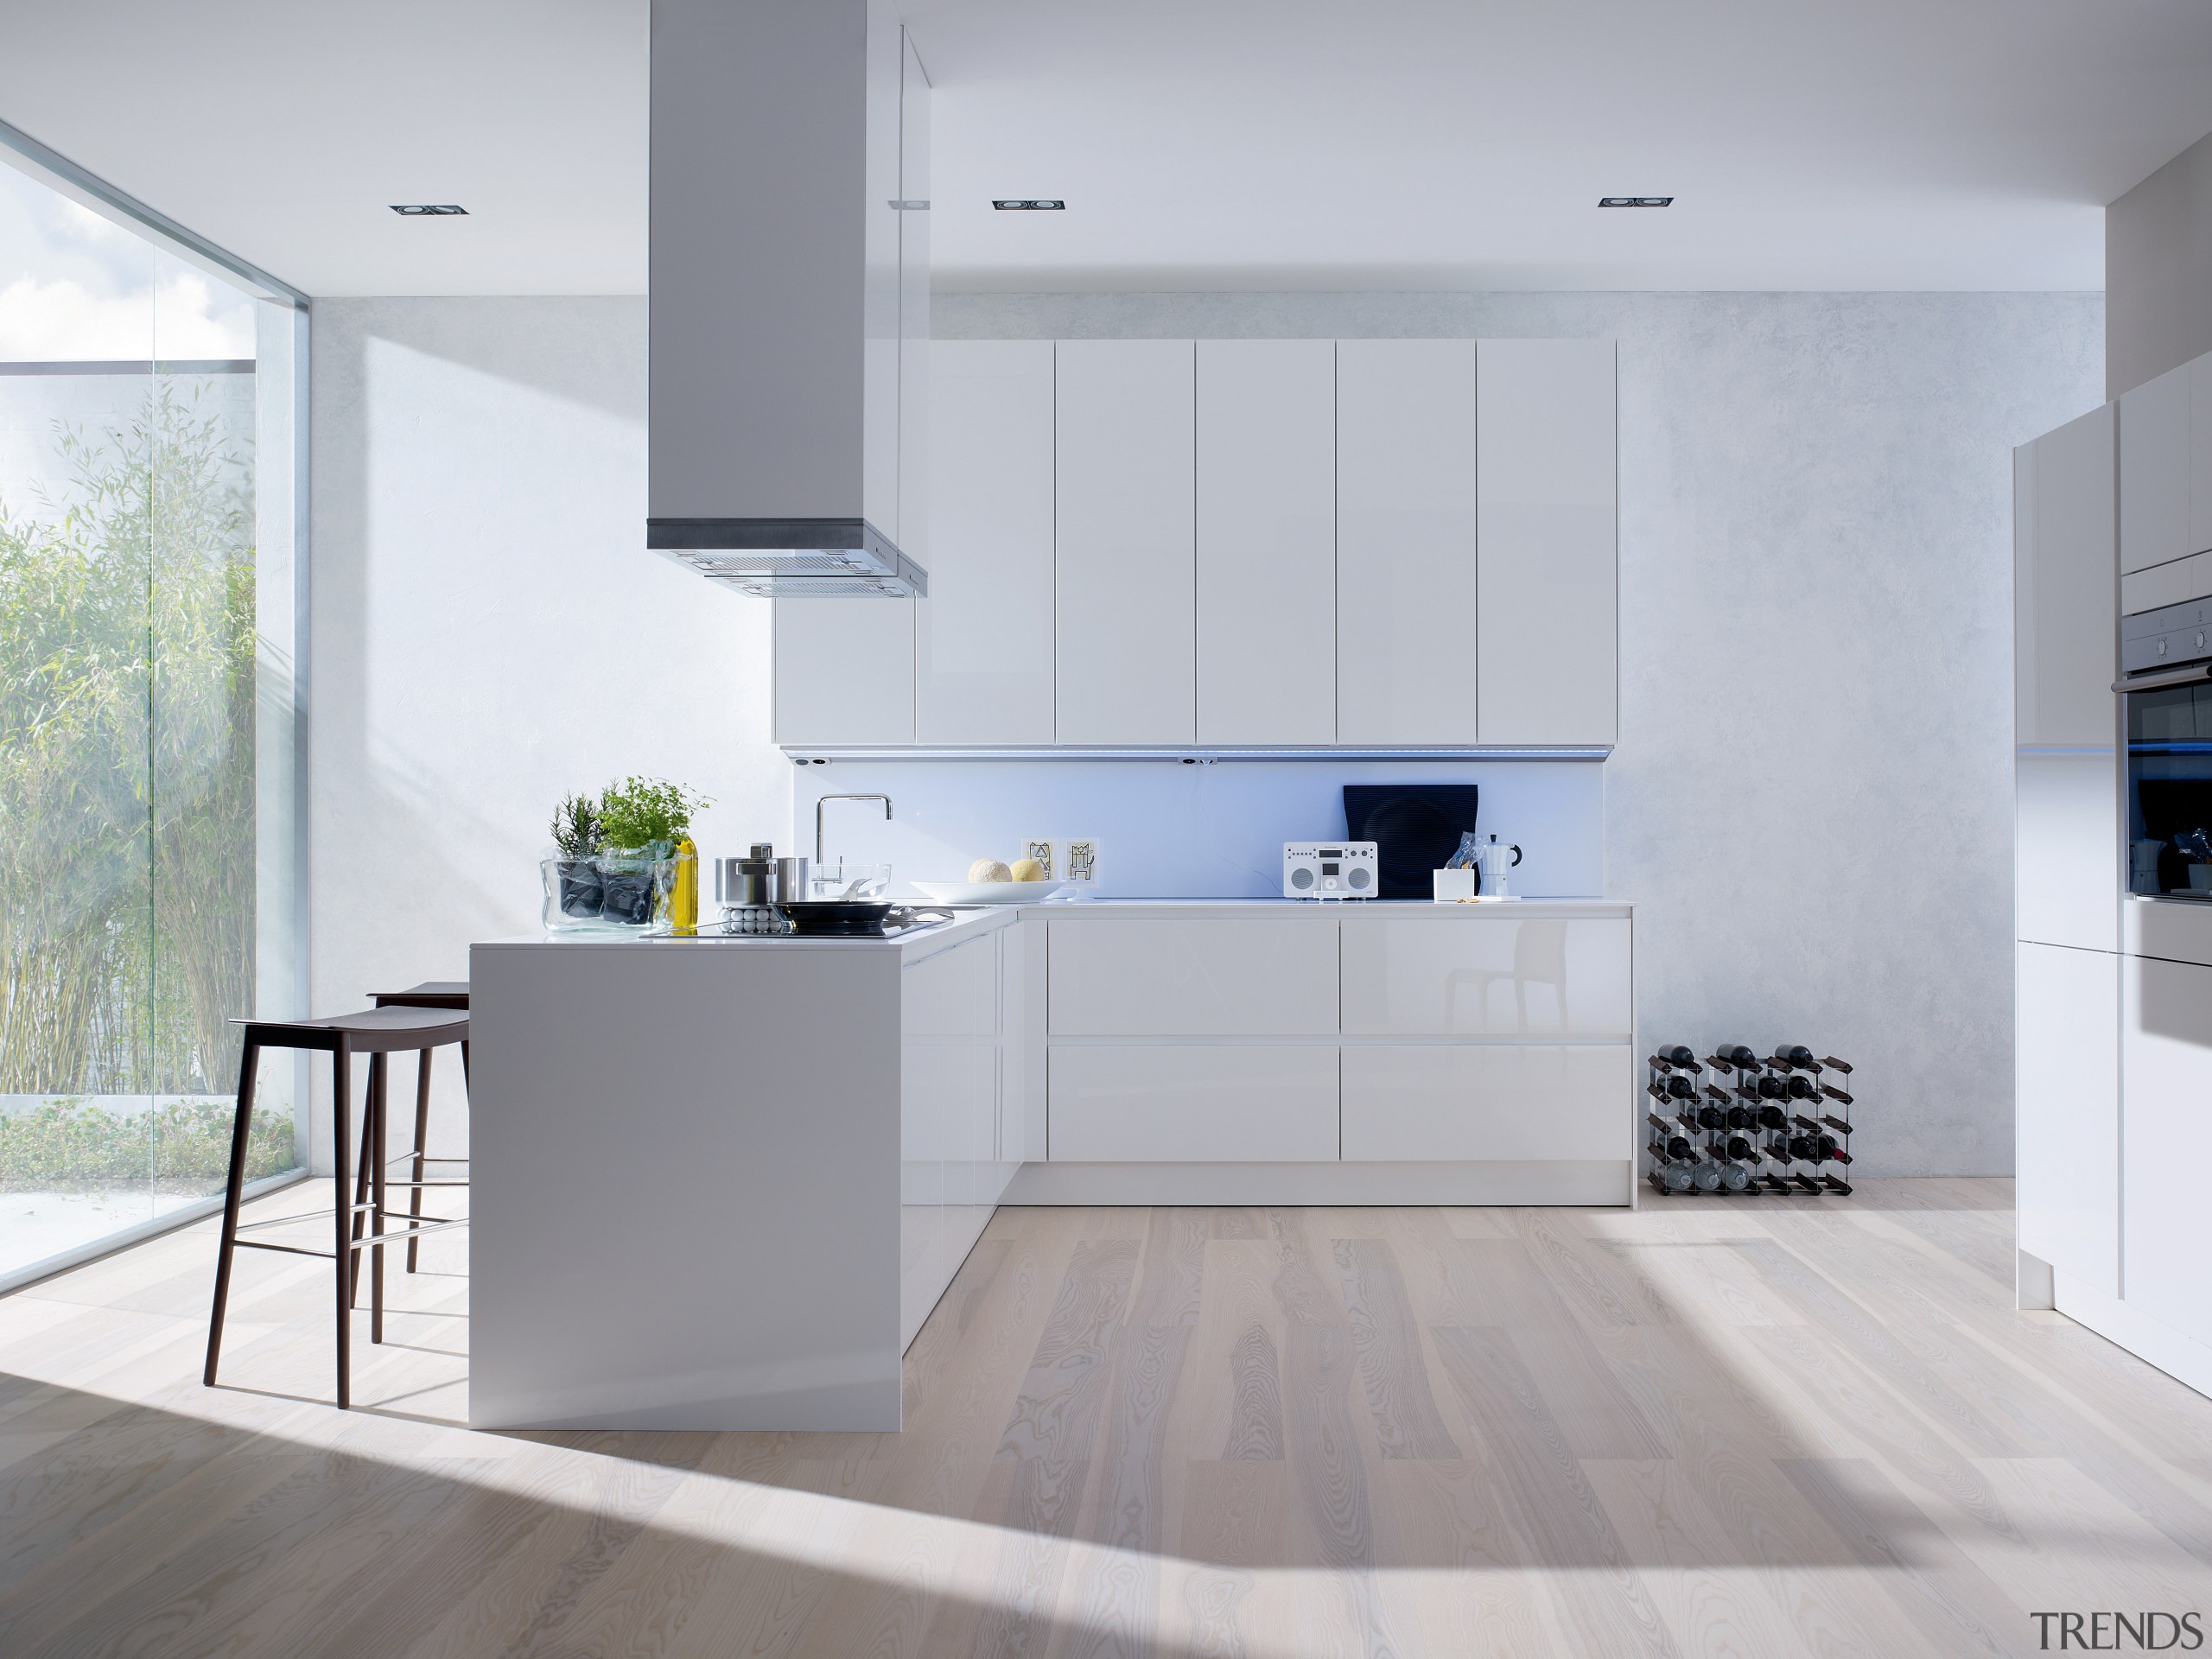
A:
[818,859]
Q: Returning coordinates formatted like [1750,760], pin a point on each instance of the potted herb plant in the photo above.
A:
[641,822]
[573,887]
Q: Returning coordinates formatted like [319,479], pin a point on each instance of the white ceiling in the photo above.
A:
[1215,144]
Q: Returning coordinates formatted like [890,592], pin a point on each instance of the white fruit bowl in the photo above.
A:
[991,893]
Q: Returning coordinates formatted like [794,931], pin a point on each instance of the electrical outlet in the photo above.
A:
[1041,849]
[1079,862]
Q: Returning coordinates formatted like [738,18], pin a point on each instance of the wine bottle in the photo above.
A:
[1773,1117]
[1738,1056]
[1796,1056]
[1802,1087]
[1738,1147]
[1680,1087]
[1678,1054]
[1706,1177]
[1677,1146]
[1676,1177]
[1772,1088]
[1738,1117]
[1734,1177]
[1710,1116]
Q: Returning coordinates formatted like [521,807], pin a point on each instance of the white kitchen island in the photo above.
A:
[720,1183]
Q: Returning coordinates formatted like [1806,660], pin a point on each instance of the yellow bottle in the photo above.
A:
[683,901]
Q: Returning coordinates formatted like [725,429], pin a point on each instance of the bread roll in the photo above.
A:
[989,869]
[1027,870]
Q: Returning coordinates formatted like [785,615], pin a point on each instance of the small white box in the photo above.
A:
[1454,886]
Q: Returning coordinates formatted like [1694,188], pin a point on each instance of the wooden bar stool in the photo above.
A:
[376,1033]
[430,993]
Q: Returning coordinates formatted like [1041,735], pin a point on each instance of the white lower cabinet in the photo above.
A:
[2166,1039]
[1160,1103]
[1287,1035]
[2066,1108]
[1442,975]
[1142,977]
[1475,1102]
[950,1177]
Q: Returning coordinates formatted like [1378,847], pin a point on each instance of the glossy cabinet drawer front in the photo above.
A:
[1446,976]
[1485,1102]
[1197,978]
[1183,1105]
[2167,1105]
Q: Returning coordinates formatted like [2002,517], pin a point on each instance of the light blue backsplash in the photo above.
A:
[1169,830]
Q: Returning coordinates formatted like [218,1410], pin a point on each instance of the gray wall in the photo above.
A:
[1811,802]
[2158,271]
[490,632]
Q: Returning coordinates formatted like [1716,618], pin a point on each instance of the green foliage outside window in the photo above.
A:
[127,797]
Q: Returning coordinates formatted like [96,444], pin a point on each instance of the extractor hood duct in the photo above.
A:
[778,201]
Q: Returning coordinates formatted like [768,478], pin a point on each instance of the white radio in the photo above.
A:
[1328,869]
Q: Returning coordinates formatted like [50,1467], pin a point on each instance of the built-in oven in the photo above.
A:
[2165,689]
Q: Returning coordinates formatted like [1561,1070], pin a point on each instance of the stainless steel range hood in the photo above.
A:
[780,251]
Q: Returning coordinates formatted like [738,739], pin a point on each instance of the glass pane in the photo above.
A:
[145,675]
[198,419]
[76,329]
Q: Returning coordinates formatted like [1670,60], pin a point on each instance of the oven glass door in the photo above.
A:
[2170,793]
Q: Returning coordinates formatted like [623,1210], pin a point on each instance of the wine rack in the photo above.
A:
[1737,1122]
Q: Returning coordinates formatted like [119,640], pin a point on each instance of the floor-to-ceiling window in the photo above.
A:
[150,445]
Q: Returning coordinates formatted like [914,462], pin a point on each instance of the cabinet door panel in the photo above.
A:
[2166,1108]
[949,1072]
[1545,541]
[1406,617]
[1169,1105]
[983,635]
[1490,1101]
[2154,489]
[2066,1111]
[1114,978]
[1124,611]
[844,671]
[1266,541]
[1492,976]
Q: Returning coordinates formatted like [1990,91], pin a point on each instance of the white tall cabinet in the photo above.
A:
[2066,858]
[1266,541]
[1406,510]
[1124,617]
[2114,1037]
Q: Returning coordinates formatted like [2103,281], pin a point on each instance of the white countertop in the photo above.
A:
[970,922]
[975,919]
[1333,909]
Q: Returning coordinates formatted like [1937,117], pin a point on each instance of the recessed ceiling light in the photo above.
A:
[429,210]
[1635,201]
[1034,205]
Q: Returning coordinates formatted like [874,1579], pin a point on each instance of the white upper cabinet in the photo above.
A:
[1545,541]
[1124,610]
[1266,541]
[2062,586]
[984,636]
[2154,456]
[2065,718]
[1355,543]
[1406,515]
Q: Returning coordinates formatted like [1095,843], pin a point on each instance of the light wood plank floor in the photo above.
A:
[1770,1427]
